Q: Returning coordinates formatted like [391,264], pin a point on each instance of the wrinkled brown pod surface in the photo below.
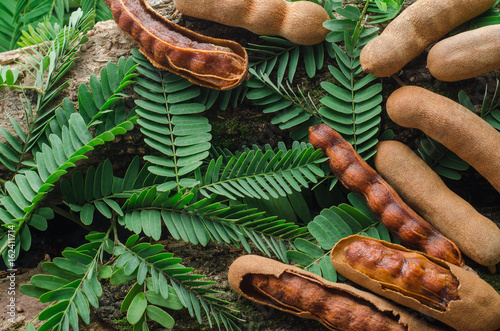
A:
[477,236]
[410,273]
[413,30]
[210,62]
[337,310]
[299,292]
[357,176]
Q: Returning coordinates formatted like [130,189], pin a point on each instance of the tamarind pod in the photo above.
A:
[210,62]
[475,235]
[357,176]
[337,310]
[415,28]
[406,272]
[300,22]
[466,55]
[337,306]
[456,127]
[469,302]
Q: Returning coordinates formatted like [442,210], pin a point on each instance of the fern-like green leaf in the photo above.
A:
[332,225]
[70,283]
[352,106]
[51,165]
[262,175]
[168,285]
[171,121]
[384,10]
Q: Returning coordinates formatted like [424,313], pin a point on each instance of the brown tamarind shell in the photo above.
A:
[359,177]
[478,306]
[258,265]
[210,62]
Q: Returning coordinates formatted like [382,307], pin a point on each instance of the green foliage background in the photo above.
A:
[265,198]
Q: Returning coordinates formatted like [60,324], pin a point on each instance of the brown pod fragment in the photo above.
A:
[456,127]
[474,234]
[210,62]
[473,305]
[337,306]
[466,55]
[417,27]
[357,176]
[300,22]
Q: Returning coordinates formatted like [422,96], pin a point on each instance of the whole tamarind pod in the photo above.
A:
[417,27]
[337,306]
[357,176]
[444,291]
[300,22]
[456,127]
[466,55]
[475,235]
[210,62]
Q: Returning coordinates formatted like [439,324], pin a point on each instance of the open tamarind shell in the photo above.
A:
[478,306]
[215,63]
[258,265]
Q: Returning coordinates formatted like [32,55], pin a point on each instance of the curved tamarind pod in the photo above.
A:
[300,22]
[466,55]
[357,176]
[448,293]
[456,127]
[417,27]
[210,62]
[337,306]
[475,235]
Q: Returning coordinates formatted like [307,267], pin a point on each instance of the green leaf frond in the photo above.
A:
[50,66]
[205,220]
[8,77]
[352,106]
[102,12]
[101,106]
[263,173]
[282,56]
[330,226]
[7,29]
[384,10]
[169,116]
[293,109]
[70,284]
[163,282]
[28,190]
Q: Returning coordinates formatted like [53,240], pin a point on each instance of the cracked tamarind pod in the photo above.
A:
[300,22]
[411,32]
[357,176]
[476,236]
[407,272]
[206,61]
[337,306]
[441,290]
